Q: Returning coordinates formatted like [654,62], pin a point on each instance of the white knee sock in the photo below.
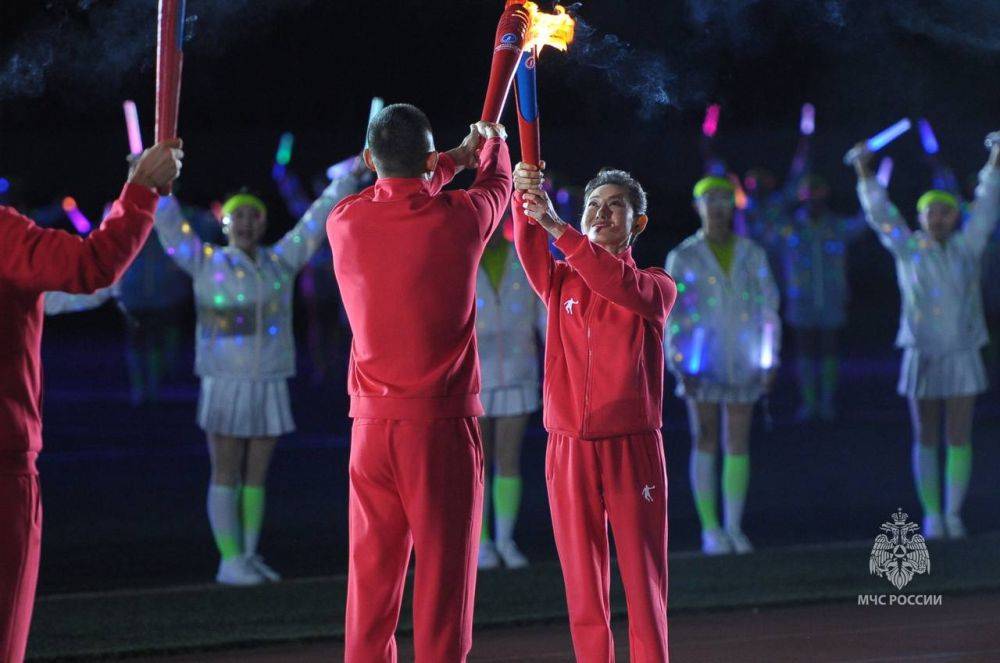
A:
[224,517]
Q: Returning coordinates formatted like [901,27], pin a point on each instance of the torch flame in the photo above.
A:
[555,30]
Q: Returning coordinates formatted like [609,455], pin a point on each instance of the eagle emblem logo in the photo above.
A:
[899,553]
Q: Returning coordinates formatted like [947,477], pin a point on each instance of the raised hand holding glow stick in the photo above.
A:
[284,153]
[132,127]
[807,124]
[879,140]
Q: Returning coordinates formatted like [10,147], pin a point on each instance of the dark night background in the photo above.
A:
[255,69]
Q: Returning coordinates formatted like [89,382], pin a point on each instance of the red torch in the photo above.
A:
[507,49]
[169,58]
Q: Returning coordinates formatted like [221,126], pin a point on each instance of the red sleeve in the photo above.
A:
[490,193]
[36,259]
[648,292]
[532,244]
[444,173]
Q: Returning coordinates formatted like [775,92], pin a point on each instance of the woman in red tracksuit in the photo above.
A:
[603,396]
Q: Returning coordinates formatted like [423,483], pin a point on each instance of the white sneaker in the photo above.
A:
[256,562]
[512,557]
[715,542]
[933,527]
[236,571]
[488,558]
[954,525]
[741,544]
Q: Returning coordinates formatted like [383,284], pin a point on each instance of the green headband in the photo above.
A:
[241,199]
[707,184]
[936,196]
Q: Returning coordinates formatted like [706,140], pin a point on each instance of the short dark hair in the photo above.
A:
[636,194]
[398,140]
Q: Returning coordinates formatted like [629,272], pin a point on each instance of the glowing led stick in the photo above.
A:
[132,126]
[884,173]
[378,103]
[284,153]
[767,347]
[341,169]
[880,140]
[697,348]
[711,123]
[76,217]
[927,137]
[807,125]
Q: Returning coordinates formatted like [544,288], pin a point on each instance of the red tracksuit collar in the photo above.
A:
[394,188]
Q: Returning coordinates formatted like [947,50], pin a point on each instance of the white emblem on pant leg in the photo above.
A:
[647,493]
[569,304]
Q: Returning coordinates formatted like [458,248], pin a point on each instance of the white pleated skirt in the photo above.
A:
[245,408]
[948,375]
[511,401]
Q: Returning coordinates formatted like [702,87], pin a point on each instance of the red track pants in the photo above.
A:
[20,550]
[414,484]
[622,479]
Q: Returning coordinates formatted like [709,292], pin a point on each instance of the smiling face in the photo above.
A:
[608,217]
[245,226]
[939,220]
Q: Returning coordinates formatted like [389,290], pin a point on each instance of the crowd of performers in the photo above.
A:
[472,326]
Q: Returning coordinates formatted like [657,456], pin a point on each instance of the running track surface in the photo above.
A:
[962,628]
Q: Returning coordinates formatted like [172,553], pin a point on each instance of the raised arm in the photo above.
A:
[302,241]
[177,237]
[532,244]
[986,208]
[650,293]
[490,192]
[38,259]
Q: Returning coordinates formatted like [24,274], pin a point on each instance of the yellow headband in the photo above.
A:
[936,196]
[707,184]
[241,199]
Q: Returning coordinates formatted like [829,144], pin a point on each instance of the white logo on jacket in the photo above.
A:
[569,304]
[647,493]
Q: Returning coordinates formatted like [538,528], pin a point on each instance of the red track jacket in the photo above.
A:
[406,256]
[604,341]
[33,260]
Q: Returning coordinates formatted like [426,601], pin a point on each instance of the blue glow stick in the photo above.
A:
[886,136]
[697,347]
[927,137]
[378,103]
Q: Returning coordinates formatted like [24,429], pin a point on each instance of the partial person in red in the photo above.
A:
[405,255]
[603,404]
[32,261]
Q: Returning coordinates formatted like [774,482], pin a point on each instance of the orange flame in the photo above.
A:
[555,30]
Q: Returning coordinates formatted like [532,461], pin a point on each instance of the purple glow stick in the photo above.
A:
[132,125]
[807,125]
[927,138]
[884,173]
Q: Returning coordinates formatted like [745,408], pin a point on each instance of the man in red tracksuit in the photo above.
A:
[33,260]
[406,255]
[603,399]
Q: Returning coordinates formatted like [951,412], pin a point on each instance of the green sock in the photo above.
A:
[224,517]
[506,503]
[958,469]
[252,512]
[735,479]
